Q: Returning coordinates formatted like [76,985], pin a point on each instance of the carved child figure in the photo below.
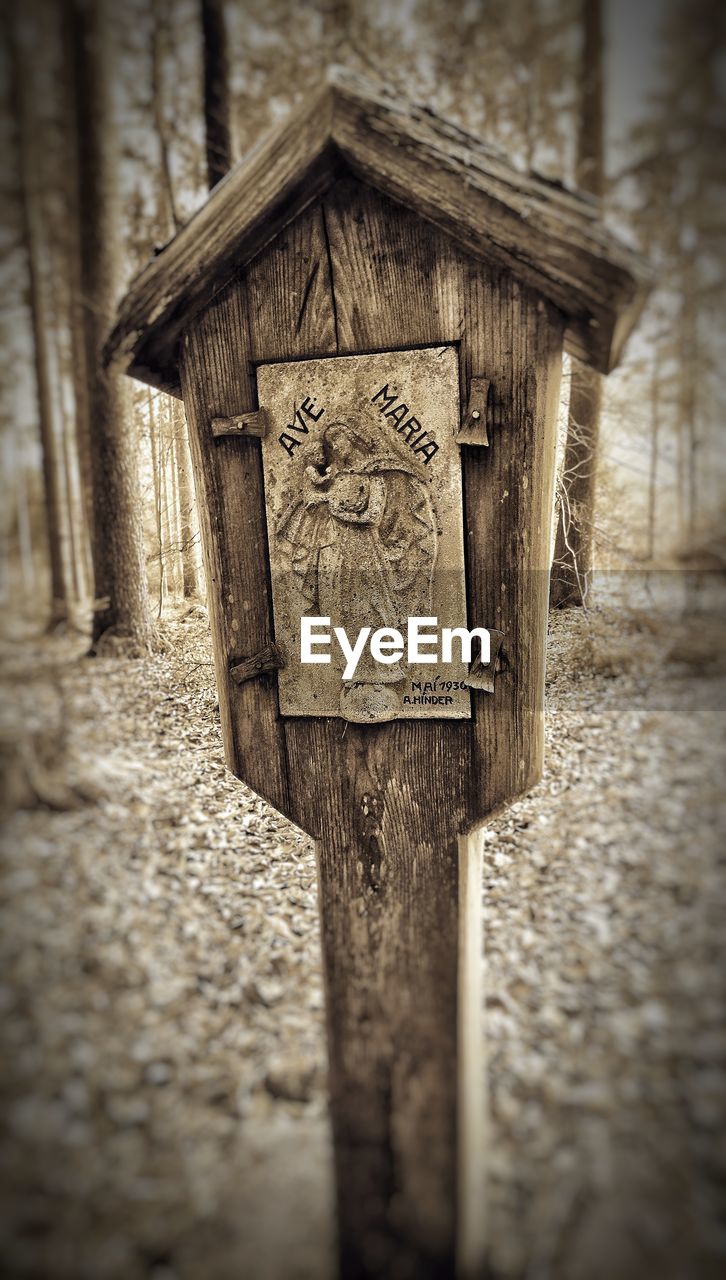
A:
[362,542]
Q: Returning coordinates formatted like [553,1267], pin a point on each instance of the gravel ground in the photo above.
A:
[164,1062]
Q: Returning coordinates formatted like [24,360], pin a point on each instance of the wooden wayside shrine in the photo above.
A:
[366,323]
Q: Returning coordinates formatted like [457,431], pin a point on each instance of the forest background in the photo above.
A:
[163,1066]
[109,116]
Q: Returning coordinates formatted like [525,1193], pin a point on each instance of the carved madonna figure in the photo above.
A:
[362,548]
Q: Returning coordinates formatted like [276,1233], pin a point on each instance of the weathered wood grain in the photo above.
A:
[508,499]
[472,1110]
[388,827]
[545,236]
[288,292]
[387,831]
[218,382]
[394,278]
[388,803]
[364,224]
[248,207]
[548,237]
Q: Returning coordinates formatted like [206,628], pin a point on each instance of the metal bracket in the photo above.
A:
[481,676]
[473,429]
[268,659]
[243,424]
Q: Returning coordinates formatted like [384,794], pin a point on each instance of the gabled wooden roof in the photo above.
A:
[548,236]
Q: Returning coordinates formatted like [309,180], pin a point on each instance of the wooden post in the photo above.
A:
[399,884]
[366,228]
[402,951]
[472,1106]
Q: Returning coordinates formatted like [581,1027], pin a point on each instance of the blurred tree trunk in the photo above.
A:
[679,169]
[156,477]
[655,412]
[157,101]
[689,369]
[70,587]
[59,301]
[164,504]
[176,570]
[572,564]
[217,101]
[118,544]
[177,564]
[190,570]
[174,465]
[337,18]
[168,508]
[24,526]
[73,254]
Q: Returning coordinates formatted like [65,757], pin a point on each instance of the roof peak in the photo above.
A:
[548,235]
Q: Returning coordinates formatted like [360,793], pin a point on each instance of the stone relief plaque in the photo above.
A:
[364,520]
